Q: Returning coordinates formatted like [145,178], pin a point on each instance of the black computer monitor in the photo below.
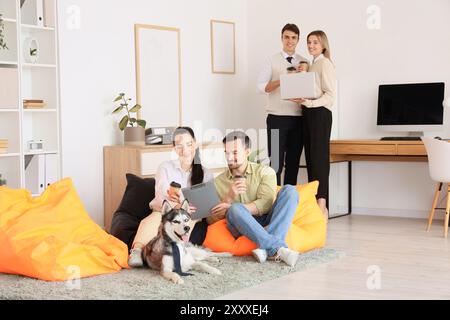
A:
[411,107]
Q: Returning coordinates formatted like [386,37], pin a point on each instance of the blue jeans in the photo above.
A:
[241,222]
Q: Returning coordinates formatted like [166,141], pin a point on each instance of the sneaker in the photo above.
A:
[260,255]
[135,258]
[286,255]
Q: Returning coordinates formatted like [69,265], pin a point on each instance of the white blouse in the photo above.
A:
[167,172]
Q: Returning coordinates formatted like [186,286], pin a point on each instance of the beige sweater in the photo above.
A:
[276,105]
[325,83]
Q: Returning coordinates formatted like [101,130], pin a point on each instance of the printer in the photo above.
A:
[161,135]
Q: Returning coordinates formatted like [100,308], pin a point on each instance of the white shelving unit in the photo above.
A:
[32,153]
[29,80]
[8,155]
[10,63]
[9,110]
[38,65]
[33,27]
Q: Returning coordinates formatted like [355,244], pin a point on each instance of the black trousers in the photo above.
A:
[317,124]
[284,135]
[198,234]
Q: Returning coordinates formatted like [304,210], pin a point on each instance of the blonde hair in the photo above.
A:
[323,39]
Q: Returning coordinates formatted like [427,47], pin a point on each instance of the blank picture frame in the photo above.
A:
[223,47]
[158,75]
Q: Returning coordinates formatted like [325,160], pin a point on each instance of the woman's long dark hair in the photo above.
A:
[197,173]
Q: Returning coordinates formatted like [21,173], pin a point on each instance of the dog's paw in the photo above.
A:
[215,271]
[213,259]
[177,279]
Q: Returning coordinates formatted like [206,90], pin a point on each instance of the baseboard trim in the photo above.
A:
[398,213]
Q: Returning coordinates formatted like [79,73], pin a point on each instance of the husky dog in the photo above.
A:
[170,249]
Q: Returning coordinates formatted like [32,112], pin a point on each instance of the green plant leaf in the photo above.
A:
[254,155]
[123,123]
[118,110]
[142,123]
[2,35]
[133,120]
[136,108]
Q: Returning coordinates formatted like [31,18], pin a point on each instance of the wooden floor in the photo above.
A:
[413,264]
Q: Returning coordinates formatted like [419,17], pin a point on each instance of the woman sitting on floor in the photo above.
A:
[187,170]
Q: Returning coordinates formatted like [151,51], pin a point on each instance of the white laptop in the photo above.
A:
[298,85]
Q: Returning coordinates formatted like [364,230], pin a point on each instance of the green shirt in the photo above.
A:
[261,183]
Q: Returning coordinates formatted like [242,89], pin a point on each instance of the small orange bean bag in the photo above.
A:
[308,230]
[52,238]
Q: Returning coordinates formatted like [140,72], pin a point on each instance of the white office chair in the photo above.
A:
[439,164]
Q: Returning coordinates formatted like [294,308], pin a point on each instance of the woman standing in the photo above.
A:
[317,117]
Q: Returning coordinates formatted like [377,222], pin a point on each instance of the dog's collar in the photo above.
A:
[177,260]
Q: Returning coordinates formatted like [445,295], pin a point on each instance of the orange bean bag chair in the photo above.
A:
[308,230]
[52,238]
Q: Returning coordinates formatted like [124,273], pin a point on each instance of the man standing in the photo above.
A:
[284,121]
[248,191]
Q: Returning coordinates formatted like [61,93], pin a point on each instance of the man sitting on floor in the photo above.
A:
[247,191]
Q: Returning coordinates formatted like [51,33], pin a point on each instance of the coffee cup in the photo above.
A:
[174,189]
[291,70]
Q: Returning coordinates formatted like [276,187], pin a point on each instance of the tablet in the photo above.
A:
[298,85]
[202,196]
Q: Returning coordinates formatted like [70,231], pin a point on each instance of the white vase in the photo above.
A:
[134,136]
[31,44]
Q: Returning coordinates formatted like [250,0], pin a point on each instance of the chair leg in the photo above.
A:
[447,211]
[433,206]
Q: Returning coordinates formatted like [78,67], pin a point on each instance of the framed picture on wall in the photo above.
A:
[158,75]
[223,47]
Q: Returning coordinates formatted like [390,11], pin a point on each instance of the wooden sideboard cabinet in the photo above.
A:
[143,161]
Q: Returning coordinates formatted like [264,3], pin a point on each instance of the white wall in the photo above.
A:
[97,62]
[411,46]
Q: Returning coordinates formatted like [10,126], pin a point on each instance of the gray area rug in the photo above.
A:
[136,284]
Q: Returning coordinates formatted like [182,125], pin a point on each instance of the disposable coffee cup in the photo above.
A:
[291,70]
[239,178]
[174,188]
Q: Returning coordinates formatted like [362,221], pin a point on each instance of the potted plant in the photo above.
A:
[254,156]
[134,129]
[3,182]
[2,34]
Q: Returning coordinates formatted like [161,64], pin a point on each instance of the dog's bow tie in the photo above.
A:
[177,260]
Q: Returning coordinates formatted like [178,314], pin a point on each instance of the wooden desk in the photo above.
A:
[374,150]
